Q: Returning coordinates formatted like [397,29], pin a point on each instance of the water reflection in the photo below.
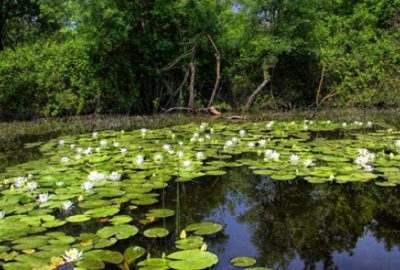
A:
[296,225]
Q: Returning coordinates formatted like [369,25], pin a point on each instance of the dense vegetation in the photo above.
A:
[69,57]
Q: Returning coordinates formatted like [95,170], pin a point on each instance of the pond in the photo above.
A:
[266,195]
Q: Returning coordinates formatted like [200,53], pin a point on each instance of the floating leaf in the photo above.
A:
[156,232]
[191,242]
[204,228]
[192,259]
[77,218]
[243,261]
[120,231]
[160,213]
[131,254]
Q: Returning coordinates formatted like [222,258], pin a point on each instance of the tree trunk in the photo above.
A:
[192,92]
[251,98]
[218,77]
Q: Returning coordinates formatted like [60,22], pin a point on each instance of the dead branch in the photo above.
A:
[218,73]
[251,98]
[175,61]
[192,92]
[321,81]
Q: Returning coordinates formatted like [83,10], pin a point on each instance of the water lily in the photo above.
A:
[344,124]
[123,151]
[78,156]
[139,159]
[95,134]
[166,147]
[242,132]
[61,142]
[79,149]
[262,142]
[96,176]
[229,143]
[88,151]
[158,157]
[65,159]
[201,140]
[207,136]
[369,124]
[2,214]
[59,183]
[196,135]
[368,168]
[180,143]
[19,182]
[397,143]
[97,149]
[235,139]
[187,164]
[87,185]
[307,163]
[180,154]
[251,144]
[103,142]
[73,255]
[294,158]
[270,125]
[43,198]
[72,146]
[114,176]
[143,131]
[199,155]
[66,206]
[31,186]
[271,154]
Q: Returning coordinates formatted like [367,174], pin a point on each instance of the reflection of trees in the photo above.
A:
[313,221]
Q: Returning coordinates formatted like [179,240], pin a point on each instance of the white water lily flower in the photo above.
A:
[88,151]
[328,121]
[79,149]
[103,142]
[211,130]
[201,140]
[96,176]
[139,159]
[368,168]
[59,183]
[397,143]
[61,142]
[207,136]
[166,147]
[43,198]
[72,146]
[171,152]
[192,140]
[116,144]
[307,163]
[199,155]
[78,157]
[196,135]
[180,154]
[294,158]
[73,255]
[262,142]
[242,132]
[97,149]
[95,134]
[31,186]
[158,157]
[251,144]
[271,154]
[2,214]
[270,124]
[331,177]
[344,124]
[123,151]
[65,159]
[87,185]
[66,206]
[235,139]
[19,182]
[187,164]
[305,127]
[114,176]
[180,143]
[229,143]
[369,124]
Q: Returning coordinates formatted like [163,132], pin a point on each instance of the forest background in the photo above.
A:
[79,57]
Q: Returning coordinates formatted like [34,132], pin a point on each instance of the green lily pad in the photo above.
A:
[156,232]
[192,259]
[191,242]
[77,218]
[204,228]
[120,231]
[243,261]
[131,254]
[154,264]
[160,213]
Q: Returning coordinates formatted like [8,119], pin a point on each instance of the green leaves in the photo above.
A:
[204,228]
[120,231]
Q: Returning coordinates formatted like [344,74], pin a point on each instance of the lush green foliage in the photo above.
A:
[73,57]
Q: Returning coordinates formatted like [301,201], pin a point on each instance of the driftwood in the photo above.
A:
[251,98]
[218,72]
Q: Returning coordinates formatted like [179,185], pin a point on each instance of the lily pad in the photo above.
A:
[160,213]
[192,259]
[120,231]
[204,228]
[156,232]
[243,261]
